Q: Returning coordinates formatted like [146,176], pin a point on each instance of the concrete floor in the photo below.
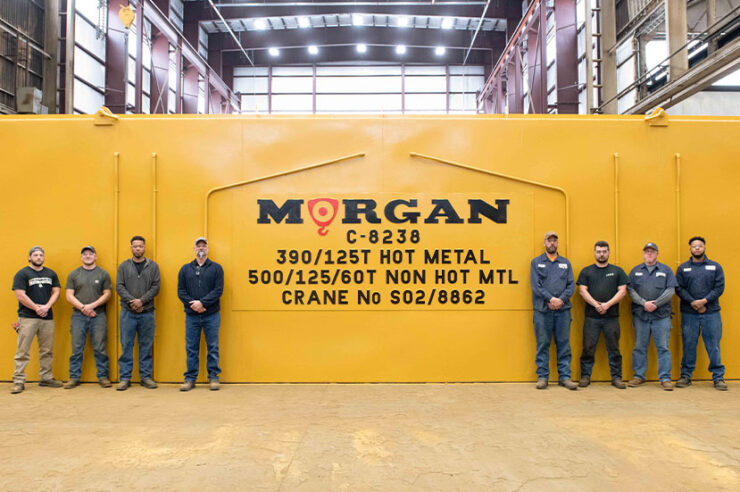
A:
[371,437]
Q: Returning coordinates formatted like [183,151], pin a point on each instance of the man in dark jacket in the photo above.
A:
[200,284]
[137,284]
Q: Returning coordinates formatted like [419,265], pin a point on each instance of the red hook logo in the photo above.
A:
[323,211]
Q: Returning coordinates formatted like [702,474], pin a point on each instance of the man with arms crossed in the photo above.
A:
[88,289]
[700,283]
[200,284]
[602,286]
[551,278]
[651,287]
[37,289]
[137,284]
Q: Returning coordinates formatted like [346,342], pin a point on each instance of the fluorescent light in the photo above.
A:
[400,49]
[260,24]
[403,21]
[313,50]
[448,22]
[358,19]
[304,22]
[273,51]
[439,50]
[361,48]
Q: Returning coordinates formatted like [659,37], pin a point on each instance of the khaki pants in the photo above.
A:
[27,329]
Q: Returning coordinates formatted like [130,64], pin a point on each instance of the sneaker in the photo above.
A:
[215,385]
[72,383]
[585,381]
[17,388]
[720,385]
[51,383]
[684,382]
[104,382]
[123,385]
[618,383]
[148,383]
[666,385]
[187,385]
[541,384]
[635,381]
[568,384]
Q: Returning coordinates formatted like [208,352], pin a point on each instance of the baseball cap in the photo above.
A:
[199,240]
[35,248]
[85,248]
[650,245]
[550,234]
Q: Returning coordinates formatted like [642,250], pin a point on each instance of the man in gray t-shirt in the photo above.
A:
[88,289]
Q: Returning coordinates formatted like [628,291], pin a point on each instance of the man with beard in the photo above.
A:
[602,286]
[551,278]
[200,284]
[700,283]
[37,289]
[137,284]
[651,287]
[88,289]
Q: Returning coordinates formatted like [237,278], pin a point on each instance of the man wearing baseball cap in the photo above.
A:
[37,289]
[551,278]
[88,290]
[200,284]
[651,287]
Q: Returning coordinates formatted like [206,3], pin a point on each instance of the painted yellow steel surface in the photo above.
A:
[367,248]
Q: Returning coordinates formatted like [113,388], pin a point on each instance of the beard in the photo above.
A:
[200,254]
[37,262]
[697,257]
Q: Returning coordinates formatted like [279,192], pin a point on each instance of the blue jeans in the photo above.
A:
[661,331]
[592,328]
[98,329]
[547,324]
[710,326]
[131,325]
[209,324]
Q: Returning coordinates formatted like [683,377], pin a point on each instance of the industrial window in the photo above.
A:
[176,13]
[89,56]
[172,77]
[203,42]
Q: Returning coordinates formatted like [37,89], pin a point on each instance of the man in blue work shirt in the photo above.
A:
[700,283]
[551,278]
[651,287]
[200,284]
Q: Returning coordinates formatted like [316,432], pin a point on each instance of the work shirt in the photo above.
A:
[650,285]
[201,283]
[700,280]
[88,285]
[551,279]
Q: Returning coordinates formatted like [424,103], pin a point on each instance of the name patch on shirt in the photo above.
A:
[563,266]
[710,267]
[638,274]
[687,269]
[541,265]
[660,274]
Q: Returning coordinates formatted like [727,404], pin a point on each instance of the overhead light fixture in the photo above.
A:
[448,22]
[400,49]
[304,22]
[273,51]
[439,50]
[403,21]
[361,48]
[358,19]
[260,24]
[313,50]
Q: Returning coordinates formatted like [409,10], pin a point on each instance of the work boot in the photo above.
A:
[720,384]
[187,385]
[215,385]
[618,383]
[585,381]
[683,382]
[123,385]
[17,388]
[635,382]
[50,383]
[541,384]
[666,385]
[568,384]
[104,382]
[148,383]
[72,383]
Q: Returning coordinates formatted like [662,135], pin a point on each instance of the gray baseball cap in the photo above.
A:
[199,240]
[650,245]
[35,248]
[85,248]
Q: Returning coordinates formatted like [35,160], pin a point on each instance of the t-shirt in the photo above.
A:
[89,285]
[38,286]
[139,266]
[602,284]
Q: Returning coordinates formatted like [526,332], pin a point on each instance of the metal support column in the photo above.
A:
[609,57]
[676,27]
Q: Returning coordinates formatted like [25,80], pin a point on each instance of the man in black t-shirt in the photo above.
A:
[37,289]
[602,286]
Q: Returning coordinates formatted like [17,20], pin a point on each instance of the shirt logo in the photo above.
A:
[687,269]
[541,265]
[660,274]
[564,266]
[610,274]
[40,281]
[97,281]
[710,267]
[638,274]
